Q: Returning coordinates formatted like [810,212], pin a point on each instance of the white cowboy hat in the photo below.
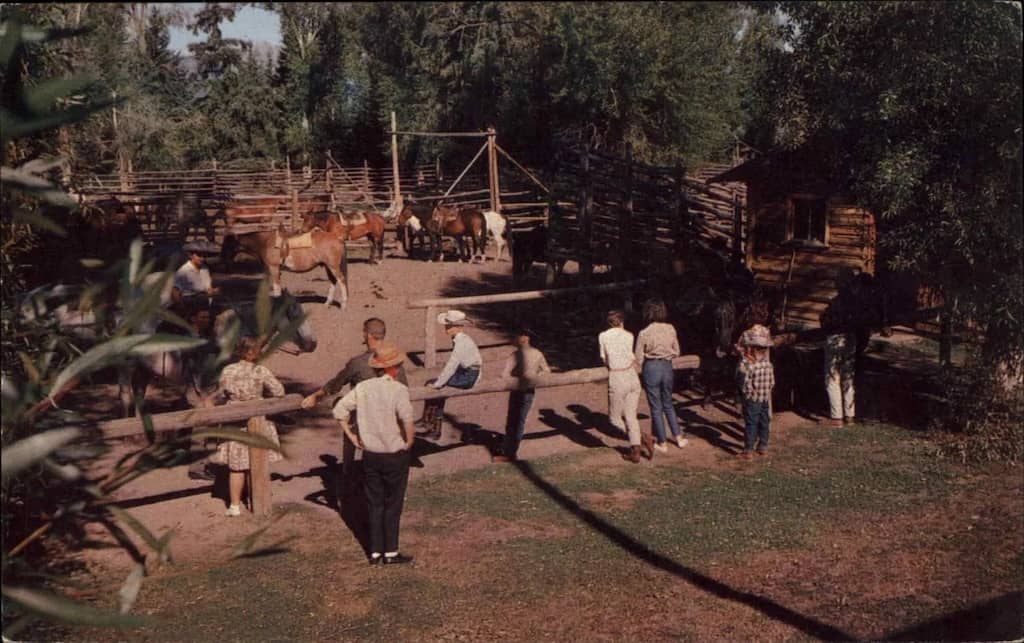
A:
[453,318]
[386,354]
[757,336]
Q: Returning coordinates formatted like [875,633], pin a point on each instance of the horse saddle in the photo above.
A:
[304,240]
[354,219]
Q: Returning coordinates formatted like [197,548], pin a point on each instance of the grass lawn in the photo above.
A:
[850,533]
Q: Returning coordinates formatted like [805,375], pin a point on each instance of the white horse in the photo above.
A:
[496,228]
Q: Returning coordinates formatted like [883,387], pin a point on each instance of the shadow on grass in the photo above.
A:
[766,606]
[996,620]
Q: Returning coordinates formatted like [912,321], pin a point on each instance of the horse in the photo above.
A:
[457,222]
[354,226]
[497,227]
[410,226]
[529,247]
[276,251]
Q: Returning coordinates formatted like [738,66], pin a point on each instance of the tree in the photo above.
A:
[919,107]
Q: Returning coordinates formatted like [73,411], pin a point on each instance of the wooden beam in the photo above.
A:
[524,295]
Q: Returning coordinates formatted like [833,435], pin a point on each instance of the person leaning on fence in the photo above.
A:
[355,371]
[616,346]
[462,370]
[755,379]
[839,320]
[386,436]
[243,381]
[526,363]
[656,346]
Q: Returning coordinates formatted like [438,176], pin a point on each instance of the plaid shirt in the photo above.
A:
[755,380]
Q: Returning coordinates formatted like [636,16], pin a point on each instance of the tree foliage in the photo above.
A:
[918,106]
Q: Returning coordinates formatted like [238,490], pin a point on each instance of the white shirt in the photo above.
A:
[616,348]
[191,280]
[381,404]
[464,354]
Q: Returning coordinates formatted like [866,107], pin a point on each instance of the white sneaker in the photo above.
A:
[681,441]
[233,510]
[661,447]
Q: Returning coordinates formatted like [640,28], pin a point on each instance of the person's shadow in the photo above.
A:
[723,435]
[575,431]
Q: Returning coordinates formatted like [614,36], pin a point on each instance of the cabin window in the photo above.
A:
[808,220]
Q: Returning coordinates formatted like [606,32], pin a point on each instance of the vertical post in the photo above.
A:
[945,335]
[437,169]
[259,481]
[586,205]
[430,348]
[625,222]
[366,177]
[296,219]
[492,170]
[288,173]
[213,163]
[737,229]
[680,214]
[394,163]
[327,178]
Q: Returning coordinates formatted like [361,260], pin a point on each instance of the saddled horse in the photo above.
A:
[411,228]
[355,225]
[457,223]
[300,253]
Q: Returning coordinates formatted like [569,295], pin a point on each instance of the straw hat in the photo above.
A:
[757,336]
[453,318]
[386,354]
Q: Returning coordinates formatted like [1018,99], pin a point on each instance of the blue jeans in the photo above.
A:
[519,403]
[464,378]
[757,421]
[658,380]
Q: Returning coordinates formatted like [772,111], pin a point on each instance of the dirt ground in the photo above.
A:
[567,420]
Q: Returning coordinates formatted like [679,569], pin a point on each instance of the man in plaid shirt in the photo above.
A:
[755,378]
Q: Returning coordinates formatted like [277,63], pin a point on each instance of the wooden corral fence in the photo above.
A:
[242,411]
[635,217]
[433,306]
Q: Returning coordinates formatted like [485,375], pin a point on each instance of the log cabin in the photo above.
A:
[801,230]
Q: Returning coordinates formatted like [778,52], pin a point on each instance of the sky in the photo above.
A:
[250,23]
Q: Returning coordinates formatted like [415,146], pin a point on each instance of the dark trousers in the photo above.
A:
[387,475]
[519,403]
[757,421]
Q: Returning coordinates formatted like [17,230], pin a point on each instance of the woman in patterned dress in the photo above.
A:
[240,382]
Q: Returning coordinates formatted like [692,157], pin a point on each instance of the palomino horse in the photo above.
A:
[410,226]
[296,254]
[354,226]
[457,222]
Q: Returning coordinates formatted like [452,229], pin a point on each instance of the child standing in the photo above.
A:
[755,378]
[526,364]
[623,384]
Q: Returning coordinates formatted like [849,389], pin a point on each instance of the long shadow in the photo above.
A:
[766,606]
[714,434]
[575,431]
[999,619]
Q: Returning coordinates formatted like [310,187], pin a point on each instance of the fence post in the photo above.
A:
[437,169]
[680,216]
[626,222]
[430,349]
[296,219]
[259,481]
[327,178]
[737,229]
[366,177]
[584,218]
[492,170]
[394,163]
[288,172]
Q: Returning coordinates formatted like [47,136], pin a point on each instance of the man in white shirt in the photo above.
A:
[386,436]
[193,278]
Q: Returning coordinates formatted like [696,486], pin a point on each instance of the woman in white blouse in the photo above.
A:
[616,345]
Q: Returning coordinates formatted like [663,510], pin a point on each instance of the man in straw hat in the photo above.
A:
[461,371]
[386,436]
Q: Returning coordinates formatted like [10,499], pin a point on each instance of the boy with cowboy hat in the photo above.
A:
[461,371]
[386,436]
[755,378]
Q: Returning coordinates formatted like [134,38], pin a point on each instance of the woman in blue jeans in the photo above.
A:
[656,346]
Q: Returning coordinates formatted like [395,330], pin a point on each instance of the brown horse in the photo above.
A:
[457,222]
[353,226]
[276,250]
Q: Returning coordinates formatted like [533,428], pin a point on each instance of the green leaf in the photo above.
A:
[33,449]
[166,342]
[237,435]
[132,523]
[15,126]
[41,97]
[263,308]
[130,588]
[287,333]
[64,609]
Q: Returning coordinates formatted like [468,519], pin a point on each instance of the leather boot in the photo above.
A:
[648,445]
[633,455]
